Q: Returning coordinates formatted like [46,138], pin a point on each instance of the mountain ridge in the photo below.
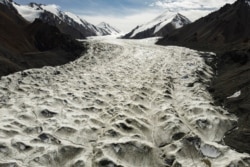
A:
[110,29]
[66,22]
[24,45]
[220,30]
[160,26]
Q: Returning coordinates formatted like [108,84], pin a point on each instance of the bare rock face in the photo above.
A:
[25,45]
[233,76]
[48,37]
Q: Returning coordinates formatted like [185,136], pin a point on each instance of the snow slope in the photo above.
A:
[157,24]
[111,30]
[28,12]
[124,103]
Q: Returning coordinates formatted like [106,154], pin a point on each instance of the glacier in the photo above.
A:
[123,103]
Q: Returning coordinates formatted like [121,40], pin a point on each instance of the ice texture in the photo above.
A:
[123,103]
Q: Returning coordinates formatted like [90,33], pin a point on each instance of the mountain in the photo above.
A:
[108,28]
[66,22]
[160,26]
[24,45]
[219,30]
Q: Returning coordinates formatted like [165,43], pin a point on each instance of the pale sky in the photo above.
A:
[127,14]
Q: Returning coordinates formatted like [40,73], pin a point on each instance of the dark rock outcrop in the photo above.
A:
[234,76]
[75,30]
[24,45]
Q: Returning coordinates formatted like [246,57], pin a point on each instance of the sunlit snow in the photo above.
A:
[235,95]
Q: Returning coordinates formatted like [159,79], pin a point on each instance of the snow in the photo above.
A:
[235,95]
[123,103]
[109,28]
[161,21]
[74,17]
[27,12]
[177,21]
[30,13]
[210,151]
[84,23]
[52,8]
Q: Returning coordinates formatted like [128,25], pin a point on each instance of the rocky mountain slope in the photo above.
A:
[226,28]
[66,22]
[24,45]
[226,32]
[160,26]
[231,89]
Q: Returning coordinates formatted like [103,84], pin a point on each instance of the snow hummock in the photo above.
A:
[235,95]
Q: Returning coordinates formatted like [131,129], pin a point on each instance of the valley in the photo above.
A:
[124,103]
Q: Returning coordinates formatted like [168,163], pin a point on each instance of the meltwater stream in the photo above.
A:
[123,104]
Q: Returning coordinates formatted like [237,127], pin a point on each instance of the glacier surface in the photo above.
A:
[124,103]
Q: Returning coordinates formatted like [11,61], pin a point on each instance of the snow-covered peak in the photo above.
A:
[179,20]
[35,5]
[33,10]
[159,22]
[29,12]
[111,30]
[52,8]
[75,17]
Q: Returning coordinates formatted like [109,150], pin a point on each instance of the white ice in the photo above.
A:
[124,102]
[235,95]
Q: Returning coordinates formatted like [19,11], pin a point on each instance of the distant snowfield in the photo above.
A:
[124,103]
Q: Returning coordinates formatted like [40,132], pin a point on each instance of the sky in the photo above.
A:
[127,14]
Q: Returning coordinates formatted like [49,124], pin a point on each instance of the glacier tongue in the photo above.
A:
[124,103]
